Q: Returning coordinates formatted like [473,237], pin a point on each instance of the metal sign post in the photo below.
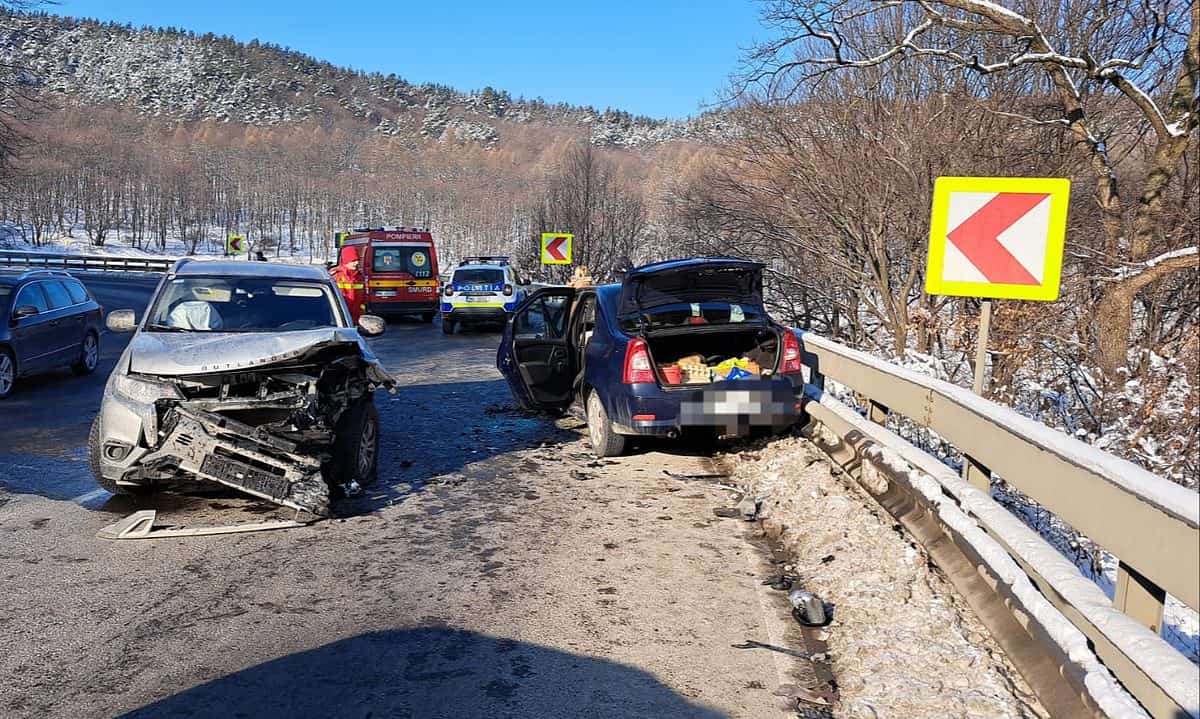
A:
[985,326]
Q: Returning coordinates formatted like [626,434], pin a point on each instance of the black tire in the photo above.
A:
[89,356]
[108,485]
[8,372]
[605,442]
[427,317]
[447,327]
[356,444]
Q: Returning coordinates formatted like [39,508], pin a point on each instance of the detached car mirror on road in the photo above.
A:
[24,311]
[121,321]
[369,325]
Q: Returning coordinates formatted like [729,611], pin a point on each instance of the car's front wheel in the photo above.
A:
[447,327]
[89,355]
[356,446]
[605,442]
[8,373]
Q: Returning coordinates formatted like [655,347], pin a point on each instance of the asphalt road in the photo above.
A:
[495,570]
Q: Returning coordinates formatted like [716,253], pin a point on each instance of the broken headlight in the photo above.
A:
[143,391]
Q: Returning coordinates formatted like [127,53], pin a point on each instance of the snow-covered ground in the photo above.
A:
[904,643]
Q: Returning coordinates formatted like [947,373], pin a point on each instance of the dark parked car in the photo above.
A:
[50,321]
[678,344]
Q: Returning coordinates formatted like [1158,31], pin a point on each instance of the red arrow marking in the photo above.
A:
[554,248]
[976,237]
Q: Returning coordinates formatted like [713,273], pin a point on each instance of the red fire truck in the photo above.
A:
[398,269]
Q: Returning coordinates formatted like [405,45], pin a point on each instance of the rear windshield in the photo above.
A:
[683,315]
[252,304]
[478,277]
[413,260]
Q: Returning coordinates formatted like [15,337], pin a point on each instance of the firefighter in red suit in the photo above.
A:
[351,282]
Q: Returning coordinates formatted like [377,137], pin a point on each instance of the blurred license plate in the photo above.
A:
[385,293]
[478,299]
[737,401]
[761,403]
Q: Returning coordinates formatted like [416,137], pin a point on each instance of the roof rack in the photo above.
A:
[501,260]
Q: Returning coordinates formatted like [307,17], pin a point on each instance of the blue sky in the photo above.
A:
[663,58]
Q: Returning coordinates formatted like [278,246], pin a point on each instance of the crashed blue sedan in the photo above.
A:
[675,345]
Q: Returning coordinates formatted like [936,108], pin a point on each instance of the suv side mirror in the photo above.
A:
[121,321]
[24,311]
[371,325]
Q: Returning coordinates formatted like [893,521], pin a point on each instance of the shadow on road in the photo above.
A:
[432,672]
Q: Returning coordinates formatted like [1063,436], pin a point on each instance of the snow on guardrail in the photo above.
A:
[1151,522]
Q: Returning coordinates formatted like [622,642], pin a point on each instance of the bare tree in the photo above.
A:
[587,197]
[18,100]
[1081,67]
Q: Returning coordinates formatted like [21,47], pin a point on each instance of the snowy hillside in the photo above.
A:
[173,73]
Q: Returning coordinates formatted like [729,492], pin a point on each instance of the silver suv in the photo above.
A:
[246,374]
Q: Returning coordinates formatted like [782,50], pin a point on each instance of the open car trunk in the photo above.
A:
[754,349]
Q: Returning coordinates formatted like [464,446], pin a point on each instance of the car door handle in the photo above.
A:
[54,323]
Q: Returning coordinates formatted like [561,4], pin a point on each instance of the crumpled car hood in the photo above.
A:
[172,354]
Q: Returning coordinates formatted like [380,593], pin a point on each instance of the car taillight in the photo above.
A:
[637,362]
[449,290]
[508,290]
[791,353]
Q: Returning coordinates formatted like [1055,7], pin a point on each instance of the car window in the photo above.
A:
[57,295]
[31,296]
[543,318]
[77,292]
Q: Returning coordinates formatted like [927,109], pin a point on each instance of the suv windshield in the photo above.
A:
[463,279]
[413,260]
[250,304]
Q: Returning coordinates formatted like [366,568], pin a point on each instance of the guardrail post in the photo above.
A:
[878,413]
[976,473]
[1138,597]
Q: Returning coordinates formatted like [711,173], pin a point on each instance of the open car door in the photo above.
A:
[535,356]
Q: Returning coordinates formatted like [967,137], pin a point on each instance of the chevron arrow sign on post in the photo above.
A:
[556,248]
[235,244]
[997,237]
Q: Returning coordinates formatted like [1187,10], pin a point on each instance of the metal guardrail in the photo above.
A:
[81,263]
[1149,523]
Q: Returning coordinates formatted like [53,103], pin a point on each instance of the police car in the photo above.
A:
[481,289]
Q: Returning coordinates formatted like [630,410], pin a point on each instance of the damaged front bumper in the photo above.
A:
[268,429]
[210,446]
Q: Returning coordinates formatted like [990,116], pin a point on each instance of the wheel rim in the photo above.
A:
[366,450]
[91,352]
[6,374]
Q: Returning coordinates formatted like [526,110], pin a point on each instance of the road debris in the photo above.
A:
[140,525]
[807,608]
[906,645]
